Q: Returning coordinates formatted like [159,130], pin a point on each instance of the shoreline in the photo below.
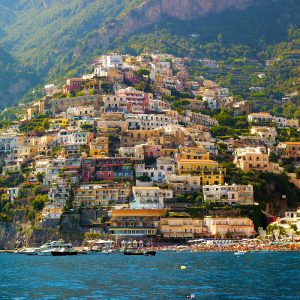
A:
[295,247]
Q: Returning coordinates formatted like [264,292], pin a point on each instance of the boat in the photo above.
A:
[67,250]
[27,251]
[126,252]
[145,253]
[240,252]
[150,253]
[46,249]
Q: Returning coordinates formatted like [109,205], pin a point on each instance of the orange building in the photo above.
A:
[290,150]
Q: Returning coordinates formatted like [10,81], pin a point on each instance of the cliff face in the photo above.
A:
[8,236]
[153,11]
[190,9]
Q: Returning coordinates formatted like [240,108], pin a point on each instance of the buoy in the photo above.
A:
[183,267]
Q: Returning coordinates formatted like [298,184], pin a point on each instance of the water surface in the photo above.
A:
[208,276]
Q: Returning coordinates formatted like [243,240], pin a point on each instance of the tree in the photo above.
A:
[221,130]
[225,119]
[143,72]
[39,202]
[70,200]
[46,124]
[40,177]
[87,127]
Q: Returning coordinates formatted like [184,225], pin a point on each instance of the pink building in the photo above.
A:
[138,101]
[73,84]
[152,150]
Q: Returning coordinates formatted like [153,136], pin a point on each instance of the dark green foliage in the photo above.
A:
[87,127]
[70,200]
[37,124]
[39,202]
[268,187]
[11,179]
[254,213]
[144,178]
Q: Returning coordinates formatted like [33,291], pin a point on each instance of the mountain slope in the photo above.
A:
[14,79]
[53,37]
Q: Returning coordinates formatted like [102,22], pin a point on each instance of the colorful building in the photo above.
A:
[107,169]
[99,147]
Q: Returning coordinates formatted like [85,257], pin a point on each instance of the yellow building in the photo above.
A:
[131,138]
[101,195]
[59,123]
[198,152]
[209,171]
[30,146]
[196,165]
[99,147]
[168,152]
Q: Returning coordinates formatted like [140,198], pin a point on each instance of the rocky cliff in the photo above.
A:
[152,11]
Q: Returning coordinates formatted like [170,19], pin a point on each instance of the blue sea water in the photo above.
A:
[208,276]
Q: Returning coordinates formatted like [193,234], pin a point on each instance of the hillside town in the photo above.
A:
[134,150]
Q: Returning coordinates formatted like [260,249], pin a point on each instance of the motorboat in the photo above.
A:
[67,250]
[27,251]
[240,252]
[138,252]
[127,252]
[150,253]
[46,249]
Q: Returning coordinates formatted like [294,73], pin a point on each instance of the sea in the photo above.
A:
[208,275]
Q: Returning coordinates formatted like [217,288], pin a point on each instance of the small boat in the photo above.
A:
[150,253]
[63,253]
[240,252]
[27,251]
[126,252]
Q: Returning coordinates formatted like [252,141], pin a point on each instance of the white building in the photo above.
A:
[152,121]
[112,61]
[13,193]
[59,193]
[240,194]
[9,142]
[149,197]
[266,134]
[73,137]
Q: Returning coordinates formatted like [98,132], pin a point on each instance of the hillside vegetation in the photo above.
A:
[55,39]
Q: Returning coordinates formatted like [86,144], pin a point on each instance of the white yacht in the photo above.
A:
[46,249]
